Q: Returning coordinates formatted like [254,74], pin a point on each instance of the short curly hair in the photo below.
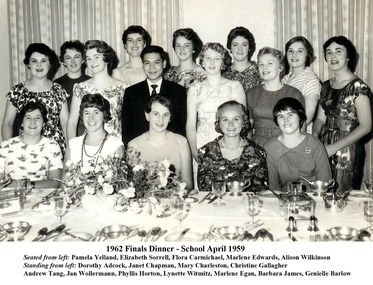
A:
[96,100]
[310,55]
[275,53]
[226,58]
[351,50]
[245,33]
[289,103]
[137,30]
[74,45]
[48,52]
[110,56]
[246,127]
[32,106]
[190,35]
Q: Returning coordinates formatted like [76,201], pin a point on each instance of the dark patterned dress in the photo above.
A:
[249,78]
[250,167]
[52,99]
[185,78]
[340,110]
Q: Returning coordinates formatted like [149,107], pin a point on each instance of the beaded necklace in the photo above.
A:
[97,152]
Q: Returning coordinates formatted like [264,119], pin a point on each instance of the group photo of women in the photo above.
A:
[187,118]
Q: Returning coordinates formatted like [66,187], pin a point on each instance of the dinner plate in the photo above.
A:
[66,237]
[189,236]
[191,200]
[357,194]
[288,239]
[268,194]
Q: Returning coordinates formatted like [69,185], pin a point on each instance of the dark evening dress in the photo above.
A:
[340,110]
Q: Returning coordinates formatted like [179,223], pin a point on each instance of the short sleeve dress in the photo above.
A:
[185,78]
[114,94]
[52,99]
[249,78]
[340,110]
[208,99]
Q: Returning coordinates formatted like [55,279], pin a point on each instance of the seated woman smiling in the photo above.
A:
[31,155]
[96,142]
[159,144]
[232,157]
[293,153]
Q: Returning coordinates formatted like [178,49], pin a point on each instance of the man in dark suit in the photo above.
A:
[134,122]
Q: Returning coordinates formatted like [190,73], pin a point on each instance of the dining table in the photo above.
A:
[202,221]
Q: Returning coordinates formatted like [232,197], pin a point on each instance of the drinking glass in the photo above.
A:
[367,209]
[58,207]
[218,189]
[180,210]
[251,205]
[368,188]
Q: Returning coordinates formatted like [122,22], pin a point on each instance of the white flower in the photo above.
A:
[89,189]
[163,181]
[87,168]
[109,174]
[165,163]
[107,188]
[128,193]
[100,180]
[69,163]
[98,168]
[138,167]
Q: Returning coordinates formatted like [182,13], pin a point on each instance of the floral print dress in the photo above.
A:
[185,78]
[52,99]
[340,109]
[249,78]
[114,94]
[250,167]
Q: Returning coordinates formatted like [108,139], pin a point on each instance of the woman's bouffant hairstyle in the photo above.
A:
[226,58]
[246,127]
[32,106]
[352,55]
[190,35]
[245,33]
[164,101]
[48,52]
[293,105]
[137,30]
[96,101]
[275,53]
[74,45]
[110,56]
[307,45]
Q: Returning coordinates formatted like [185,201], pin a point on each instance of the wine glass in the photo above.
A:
[367,207]
[180,210]
[58,207]
[251,205]
[218,189]
[368,188]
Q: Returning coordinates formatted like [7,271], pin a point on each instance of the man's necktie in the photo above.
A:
[154,86]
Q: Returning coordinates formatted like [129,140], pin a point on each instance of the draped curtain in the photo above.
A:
[55,21]
[319,20]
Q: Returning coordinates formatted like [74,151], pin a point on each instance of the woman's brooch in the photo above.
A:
[307,150]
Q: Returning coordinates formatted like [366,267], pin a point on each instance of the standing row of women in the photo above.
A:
[343,115]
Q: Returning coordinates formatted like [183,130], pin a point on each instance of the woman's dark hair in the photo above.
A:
[73,45]
[275,53]
[190,35]
[110,56]
[246,127]
[293,105]
[32,106]
[48,52]
[307,45]
[245,33]
[137,30]
[96,101]
[164,101]
[226,58]
[352,55]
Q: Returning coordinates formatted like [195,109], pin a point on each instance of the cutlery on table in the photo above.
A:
[292,237]
[141,234]
[155,231]
[97,236]
[58,230]
[182,234]
[41,233]
[75,236]
[206,197]
[160,234]
[148,234]
[212,199]
[6,182]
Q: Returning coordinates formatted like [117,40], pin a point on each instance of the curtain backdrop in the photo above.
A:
[319,20]
[55,21]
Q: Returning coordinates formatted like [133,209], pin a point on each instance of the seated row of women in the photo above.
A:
[231,157]
[343,118]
